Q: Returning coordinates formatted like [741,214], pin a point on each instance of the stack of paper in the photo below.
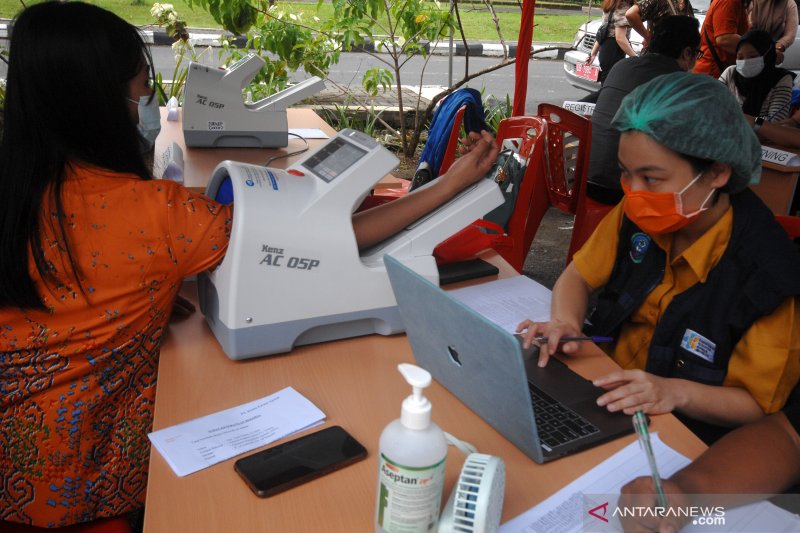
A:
[205,441]
[508,301]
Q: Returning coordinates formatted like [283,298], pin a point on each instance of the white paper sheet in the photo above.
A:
[566,511]
[202,442]
[509,301]
[309,133]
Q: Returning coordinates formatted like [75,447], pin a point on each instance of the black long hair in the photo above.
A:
[69,69]
[756,89]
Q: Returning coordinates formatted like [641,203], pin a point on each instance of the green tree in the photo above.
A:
[399,29]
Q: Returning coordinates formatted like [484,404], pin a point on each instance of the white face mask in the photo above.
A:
[679,199]
[750,68]
[149,120]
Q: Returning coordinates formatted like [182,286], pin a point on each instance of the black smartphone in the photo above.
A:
[464,270]
[292,463]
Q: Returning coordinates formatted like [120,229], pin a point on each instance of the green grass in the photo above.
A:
[478,25]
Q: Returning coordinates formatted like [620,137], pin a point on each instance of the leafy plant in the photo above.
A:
[496,110]
[236,16]
[398,29]
[401,30]
[286,45]
[376,77]
[341,116]
[175,27]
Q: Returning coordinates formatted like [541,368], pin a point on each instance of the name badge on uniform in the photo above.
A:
[695,343]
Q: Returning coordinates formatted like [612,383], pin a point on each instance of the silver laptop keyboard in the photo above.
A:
[557,424]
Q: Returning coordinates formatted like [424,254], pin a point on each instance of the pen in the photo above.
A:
[569,339]
[640,425]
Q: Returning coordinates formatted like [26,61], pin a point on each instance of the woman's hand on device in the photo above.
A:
[637,390]
[553,331]
[475,163]
[467,143]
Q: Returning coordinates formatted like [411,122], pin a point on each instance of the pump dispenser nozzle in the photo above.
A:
[416,410]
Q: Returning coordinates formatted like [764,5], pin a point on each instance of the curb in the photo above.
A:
[476,49]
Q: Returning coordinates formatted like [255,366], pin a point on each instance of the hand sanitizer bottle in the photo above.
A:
[411,464]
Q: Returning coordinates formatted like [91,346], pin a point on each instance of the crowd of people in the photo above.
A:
[693,278]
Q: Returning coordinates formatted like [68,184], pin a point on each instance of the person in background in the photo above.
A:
[725,23]
[720,476]
[651,11]
[673,48]
[616,44]
[779,19]
[698,282]
[92,255]
[762,89]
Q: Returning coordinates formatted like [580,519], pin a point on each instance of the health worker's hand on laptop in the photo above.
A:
[637,390]
[553,331]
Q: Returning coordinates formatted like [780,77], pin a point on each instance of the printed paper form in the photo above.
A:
[308,133]
[205,441]
[509,301]
[566,510]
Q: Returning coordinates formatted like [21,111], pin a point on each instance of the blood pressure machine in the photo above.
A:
[293,273]
[215,115]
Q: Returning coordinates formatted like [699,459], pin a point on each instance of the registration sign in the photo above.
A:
[589,72]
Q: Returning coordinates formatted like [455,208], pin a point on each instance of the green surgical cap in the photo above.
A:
[695,115]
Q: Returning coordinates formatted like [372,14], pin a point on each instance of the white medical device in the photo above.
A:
[293,273]
[215,115]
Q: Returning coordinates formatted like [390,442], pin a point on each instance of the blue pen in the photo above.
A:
[570,339]
[640,425]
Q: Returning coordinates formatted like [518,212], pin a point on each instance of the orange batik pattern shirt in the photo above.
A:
[78,381]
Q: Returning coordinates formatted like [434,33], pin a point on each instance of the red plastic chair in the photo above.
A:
[790,224]
[118,524]
[530,133]
[569,140]
[452,141]
[526,135]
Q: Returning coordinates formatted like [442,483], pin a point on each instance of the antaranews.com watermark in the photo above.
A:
[603,514]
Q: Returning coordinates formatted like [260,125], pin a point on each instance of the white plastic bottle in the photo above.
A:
[411,464]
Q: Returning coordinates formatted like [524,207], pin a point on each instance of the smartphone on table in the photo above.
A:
[293,463]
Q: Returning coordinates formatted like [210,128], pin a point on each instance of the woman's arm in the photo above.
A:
[790,30]
[635,20]
[635,390]
[728,42]
[593,53]
[779,100]
[621,35]
[772,449]
[786,133]
[376,224]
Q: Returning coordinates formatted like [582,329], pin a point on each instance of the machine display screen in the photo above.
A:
[333,159]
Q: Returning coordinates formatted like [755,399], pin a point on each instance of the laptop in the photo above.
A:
[546,412]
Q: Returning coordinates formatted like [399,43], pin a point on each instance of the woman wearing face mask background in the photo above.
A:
[92,255]
[697,282]
[761,88]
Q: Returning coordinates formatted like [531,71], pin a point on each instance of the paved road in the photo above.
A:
[546,82]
